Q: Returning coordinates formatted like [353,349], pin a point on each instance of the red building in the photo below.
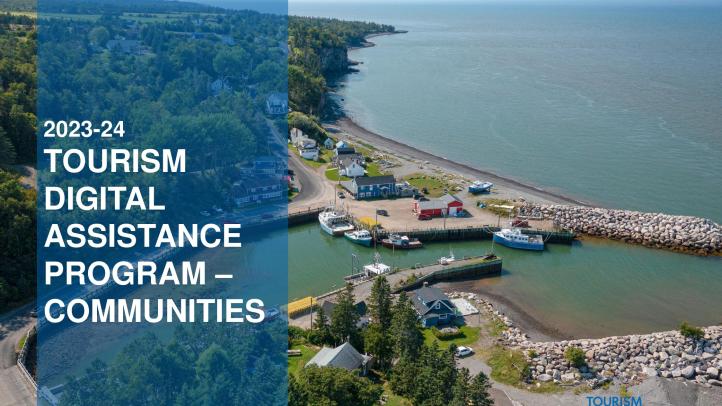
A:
[446,205]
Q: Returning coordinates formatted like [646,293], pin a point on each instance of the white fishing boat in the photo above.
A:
[376,268]
[334,223]
[480,187]
[514,238]
[447,260]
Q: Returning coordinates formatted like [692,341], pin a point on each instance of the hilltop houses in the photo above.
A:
[277,104]
[433,307]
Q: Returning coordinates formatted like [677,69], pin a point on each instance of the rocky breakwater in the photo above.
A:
[627,359]
[622,359]
[680,233]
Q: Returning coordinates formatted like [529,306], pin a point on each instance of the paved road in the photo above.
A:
[314,190]
[14,390]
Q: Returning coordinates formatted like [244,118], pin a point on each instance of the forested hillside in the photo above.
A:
[318,50]
[18,89]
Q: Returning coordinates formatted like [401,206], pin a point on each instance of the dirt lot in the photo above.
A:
[401,216]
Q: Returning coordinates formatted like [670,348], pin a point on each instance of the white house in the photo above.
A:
[341,144]
[350,166]
[296,136]
[277,103]
[308,149]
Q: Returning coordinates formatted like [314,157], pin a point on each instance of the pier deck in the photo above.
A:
[473,267]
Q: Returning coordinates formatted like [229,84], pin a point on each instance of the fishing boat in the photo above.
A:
[362,237]
[401,242]
[480,187]
[334,223]
[447,260]
[376,268]
[514,238]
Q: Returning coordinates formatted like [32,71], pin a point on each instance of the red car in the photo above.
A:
[424,217]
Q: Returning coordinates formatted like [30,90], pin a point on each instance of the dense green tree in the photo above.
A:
[321,332]
[478,391]
[377,338]
[99,36]
[405,329]
[345,318]
[330,386]
[7,150]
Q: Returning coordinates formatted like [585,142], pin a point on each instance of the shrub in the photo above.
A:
[690,331]
[532,354]
[575,356]
[447,333]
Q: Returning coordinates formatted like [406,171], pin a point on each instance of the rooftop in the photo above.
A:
[375,180]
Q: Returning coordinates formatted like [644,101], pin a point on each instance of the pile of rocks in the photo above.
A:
[626,359]
[681,233]
[630,358]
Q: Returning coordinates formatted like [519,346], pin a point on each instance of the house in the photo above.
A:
[433,307]
[351,166]
[328,144]
[344,151]
[342,144]
[404,189]
[257,189]
[344,356]
[308,149]
[277,103]
[269,165]
[371,187]
[219,85]
[126,46]
[446,205]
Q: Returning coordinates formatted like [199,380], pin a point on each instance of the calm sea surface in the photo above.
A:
[616,106]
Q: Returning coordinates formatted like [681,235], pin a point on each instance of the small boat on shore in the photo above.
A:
[362,237]
[514,238]
[334,223]
[401,242]
[480,187]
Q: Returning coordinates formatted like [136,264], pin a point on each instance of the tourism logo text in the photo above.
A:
[614,401]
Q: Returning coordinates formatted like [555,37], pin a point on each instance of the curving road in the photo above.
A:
[314,190]
[14,390]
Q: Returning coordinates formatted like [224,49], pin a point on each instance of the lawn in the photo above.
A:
[435,186]
[332,174]
[323,159]
[372,169]
[470,336]
[295,364]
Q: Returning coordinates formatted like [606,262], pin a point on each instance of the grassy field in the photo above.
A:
[470,336]
[295,364]
[435,186]
[372,169]
[507,366]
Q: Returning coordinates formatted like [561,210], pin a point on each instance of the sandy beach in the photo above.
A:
[345,127]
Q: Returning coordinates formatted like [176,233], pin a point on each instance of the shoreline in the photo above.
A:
[353,129]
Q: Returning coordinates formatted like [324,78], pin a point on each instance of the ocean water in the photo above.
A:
[618,106]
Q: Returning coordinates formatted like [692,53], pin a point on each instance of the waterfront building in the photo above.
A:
[434,307]
[446,205]
[371,187]
[258,189]
[351,166]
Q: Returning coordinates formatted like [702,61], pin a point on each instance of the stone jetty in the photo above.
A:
[680,233]
[622,359]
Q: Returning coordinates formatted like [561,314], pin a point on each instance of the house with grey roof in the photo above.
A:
[344,356]
[371,187]
[434,307]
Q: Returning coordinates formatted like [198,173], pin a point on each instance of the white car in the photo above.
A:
[462,351]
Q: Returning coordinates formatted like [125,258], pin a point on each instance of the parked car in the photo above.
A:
[424,217]
[463,351]
[291,172]
[382,212]
[341,195]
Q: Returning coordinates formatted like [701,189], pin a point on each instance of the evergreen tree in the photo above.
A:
[380,303]
[334,386]
[344,318]
[406,334]
[460,390]
[321,333]
[7,151]
[478,391]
